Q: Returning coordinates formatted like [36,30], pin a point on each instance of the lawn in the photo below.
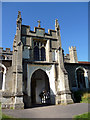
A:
[85,116]
[6,117]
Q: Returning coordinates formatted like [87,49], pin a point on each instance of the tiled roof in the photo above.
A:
[84,62]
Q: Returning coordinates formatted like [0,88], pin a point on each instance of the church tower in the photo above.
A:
[73,54]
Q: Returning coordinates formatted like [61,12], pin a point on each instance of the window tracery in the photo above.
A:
[39,51]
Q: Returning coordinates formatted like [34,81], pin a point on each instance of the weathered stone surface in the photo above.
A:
[38,64]
[18,106]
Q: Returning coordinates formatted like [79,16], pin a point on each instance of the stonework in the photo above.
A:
[36,64]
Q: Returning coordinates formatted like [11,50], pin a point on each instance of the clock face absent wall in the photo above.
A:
[40,32]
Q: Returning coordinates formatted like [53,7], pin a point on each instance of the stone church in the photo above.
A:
[36,64]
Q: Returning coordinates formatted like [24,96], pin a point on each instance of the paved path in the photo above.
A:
[58,111]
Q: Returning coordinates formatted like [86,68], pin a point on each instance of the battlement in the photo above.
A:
[7,50]
[39,31]
[72,48]
[73,54]
[5,54]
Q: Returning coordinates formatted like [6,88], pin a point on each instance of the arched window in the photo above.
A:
[36,53]
[80,78]
[39,50]
[1,77]
[43,56]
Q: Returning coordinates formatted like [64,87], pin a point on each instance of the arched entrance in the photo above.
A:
[39,83]
[80,78]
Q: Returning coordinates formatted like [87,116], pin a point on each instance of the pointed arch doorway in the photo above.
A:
[39,83]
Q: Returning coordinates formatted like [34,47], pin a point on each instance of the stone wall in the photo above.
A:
[5,54]
[71,67]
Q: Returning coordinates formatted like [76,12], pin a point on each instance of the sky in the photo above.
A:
[72,18]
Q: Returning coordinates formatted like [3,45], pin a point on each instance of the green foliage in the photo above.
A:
[82,96]
[11,108]
[5,116]
[85,116]
[85,98]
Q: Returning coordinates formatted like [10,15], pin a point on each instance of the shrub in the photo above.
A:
[85,98]
[82,96]
[77,96]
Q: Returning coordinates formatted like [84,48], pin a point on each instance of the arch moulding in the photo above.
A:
[85,76]
[4,73]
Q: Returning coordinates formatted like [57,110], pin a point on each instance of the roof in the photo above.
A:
[83,62]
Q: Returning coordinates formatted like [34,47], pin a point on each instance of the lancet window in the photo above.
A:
[39,51]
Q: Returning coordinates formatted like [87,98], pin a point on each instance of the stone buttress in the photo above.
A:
[63,91]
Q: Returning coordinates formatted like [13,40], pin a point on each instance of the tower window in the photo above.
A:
[39,53]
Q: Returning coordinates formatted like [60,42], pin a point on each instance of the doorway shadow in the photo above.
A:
[40,105]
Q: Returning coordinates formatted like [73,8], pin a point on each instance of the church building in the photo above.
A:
[37,71]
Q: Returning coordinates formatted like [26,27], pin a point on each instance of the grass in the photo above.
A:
[85,116]
[82,97]
[6,117]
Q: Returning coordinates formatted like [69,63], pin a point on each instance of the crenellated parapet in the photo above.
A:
[5,54]
[7,50]
[72,56]
[72,48]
